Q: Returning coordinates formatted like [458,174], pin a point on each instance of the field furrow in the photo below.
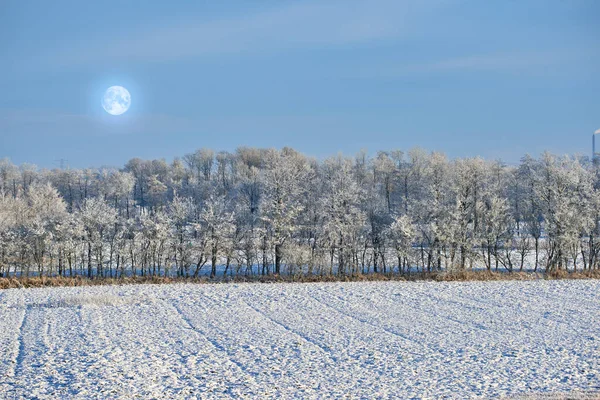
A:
[308,341]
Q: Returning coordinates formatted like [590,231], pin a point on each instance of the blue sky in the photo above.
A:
[492,78]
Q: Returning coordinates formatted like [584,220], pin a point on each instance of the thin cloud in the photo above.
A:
[336,23]
[59,124]
[522,62]
[501,61]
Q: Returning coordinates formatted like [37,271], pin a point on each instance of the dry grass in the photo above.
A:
[6,283]
[514,276]
[576,395]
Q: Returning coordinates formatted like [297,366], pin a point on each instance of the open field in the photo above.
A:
[313,340]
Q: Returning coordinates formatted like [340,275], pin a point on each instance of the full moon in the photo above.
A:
[116,100]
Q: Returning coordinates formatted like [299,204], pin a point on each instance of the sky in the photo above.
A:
[496,79]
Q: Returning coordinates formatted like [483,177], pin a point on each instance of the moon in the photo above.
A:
[116,100]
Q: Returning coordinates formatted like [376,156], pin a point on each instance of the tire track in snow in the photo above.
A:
[61,376]
[364,321]
[303,337]
[361,302]
[124,345]
[440,311]
[99,348]
[20,352]
[492,309]
[417,306]
[584,295]
[206,337]
[52,371]
[286,328]
[29,382]
[366,310]
[499,324]
[215,344]
[352,360]
[293,364]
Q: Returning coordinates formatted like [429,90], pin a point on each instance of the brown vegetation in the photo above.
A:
[33,282]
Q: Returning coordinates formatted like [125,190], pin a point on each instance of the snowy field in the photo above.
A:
[335,340]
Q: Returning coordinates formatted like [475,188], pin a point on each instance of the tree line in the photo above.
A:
[265,211]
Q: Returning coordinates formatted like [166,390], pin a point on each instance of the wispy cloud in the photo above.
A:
[305,24]
[60,124]
[511,61]
[521,62]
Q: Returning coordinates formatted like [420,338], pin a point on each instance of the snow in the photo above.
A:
[435,340]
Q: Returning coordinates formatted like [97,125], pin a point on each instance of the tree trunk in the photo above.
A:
[89,260]
[537,253]
[278,259]
[213,262]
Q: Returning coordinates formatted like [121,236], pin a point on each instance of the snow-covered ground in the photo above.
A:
[335,340]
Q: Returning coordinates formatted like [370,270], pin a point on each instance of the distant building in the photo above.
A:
[596,152]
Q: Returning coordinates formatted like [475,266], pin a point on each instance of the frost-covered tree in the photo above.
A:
[45,213]
[218,222]
[98,220]
[284,179]
[342,216]
[269,211]
[402,234]
[181,215]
